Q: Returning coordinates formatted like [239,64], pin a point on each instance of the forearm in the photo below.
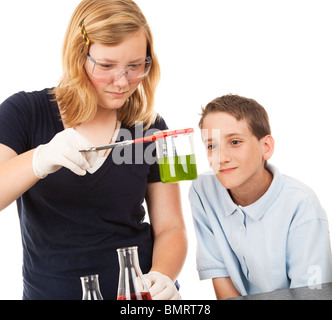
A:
[169,230]
[169,252]
[224,288]
[16,177]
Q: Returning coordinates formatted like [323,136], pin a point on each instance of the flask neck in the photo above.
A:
[128,257]
[90,287]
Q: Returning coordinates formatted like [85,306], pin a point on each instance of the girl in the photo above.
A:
[76,208]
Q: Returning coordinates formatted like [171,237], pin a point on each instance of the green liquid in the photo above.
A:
[177,168]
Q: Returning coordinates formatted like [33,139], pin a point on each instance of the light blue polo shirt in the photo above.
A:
[280,241]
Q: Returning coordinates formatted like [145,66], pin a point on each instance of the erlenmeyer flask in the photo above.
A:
[90,287]
[131,283]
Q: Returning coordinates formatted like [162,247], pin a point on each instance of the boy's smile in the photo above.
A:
[226,171]
[236,156]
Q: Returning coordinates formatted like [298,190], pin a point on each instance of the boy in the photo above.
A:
[257,230]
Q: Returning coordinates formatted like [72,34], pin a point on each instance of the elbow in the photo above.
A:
[4,204]
[2,207]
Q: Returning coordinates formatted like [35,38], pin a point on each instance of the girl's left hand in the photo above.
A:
[161,287]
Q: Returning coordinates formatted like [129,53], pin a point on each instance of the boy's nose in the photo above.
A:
[224,155]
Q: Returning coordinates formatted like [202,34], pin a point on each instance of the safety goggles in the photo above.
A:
[109,72]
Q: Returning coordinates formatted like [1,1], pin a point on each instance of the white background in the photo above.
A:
[277,52]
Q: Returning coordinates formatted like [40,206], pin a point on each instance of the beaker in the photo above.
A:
[176,155]
[90,287]
[131,284]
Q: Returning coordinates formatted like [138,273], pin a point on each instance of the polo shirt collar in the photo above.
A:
[226,202]
[256,210]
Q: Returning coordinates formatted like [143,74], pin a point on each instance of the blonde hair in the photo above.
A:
[107,22]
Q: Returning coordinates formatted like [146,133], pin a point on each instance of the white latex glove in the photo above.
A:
[161,287]
[63,151]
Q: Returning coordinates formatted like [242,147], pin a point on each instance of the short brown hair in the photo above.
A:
[240,108]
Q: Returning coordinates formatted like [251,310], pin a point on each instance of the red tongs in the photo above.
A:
[157,136]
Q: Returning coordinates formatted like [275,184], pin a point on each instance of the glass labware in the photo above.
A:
[90,287]
[131,284]
[176,155]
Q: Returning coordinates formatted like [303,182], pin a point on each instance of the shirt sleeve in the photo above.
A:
[210,263]
[309,260]
[15,120]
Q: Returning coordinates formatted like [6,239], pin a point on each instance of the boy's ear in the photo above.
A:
[268,147]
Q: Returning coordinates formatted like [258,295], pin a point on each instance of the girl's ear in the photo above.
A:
[268,147]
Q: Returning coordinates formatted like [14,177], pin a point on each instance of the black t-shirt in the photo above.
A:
[71,225]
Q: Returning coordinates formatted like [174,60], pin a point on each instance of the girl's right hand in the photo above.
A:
[63,151]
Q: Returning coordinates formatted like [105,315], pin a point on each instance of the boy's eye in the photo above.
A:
[235,142]
[211,146]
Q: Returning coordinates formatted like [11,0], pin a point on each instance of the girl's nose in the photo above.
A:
[121,79]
